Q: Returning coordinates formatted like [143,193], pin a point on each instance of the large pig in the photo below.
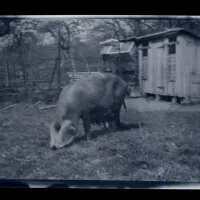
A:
[100,115]
[79,99]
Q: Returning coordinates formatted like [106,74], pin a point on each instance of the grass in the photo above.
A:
[165,148]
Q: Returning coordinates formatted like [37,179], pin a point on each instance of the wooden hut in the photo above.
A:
[169,64]
[122,59]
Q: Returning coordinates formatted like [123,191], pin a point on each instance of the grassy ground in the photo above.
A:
[166,147]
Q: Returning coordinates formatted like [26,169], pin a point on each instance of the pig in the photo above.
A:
[82,98]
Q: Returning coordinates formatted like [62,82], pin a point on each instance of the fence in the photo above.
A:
[42,78]
[39,76]
[44,74]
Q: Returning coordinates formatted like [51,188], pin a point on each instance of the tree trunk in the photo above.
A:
[7,75]
[21,56]
[87,66]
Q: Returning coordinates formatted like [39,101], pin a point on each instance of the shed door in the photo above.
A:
[159,61]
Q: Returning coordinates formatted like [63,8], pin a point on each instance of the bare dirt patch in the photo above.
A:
[148,104]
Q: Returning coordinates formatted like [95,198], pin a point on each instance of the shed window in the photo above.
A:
[144,53]
[145,64]
[171,63]
[172,49]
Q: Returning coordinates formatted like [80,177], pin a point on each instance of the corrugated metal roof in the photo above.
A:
[124,47]
[161,34]
[114,49]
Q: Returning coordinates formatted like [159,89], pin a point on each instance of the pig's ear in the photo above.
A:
[72,128]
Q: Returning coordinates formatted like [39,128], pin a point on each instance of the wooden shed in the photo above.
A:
[169,63]
[122,59]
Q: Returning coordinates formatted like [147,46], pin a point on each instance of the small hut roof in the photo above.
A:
[158,35]
[108,41]
[113,48]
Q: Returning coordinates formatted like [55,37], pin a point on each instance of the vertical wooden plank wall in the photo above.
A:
[140,68]
[179,65]
[187,61]
[151,71]
[154,67]
[165,69]
[188,46]
[145,82]
[197,55]
[194,87]
[156,59]
[195,70]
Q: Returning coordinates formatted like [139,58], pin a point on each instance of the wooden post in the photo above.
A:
[14,68]
[87,66]
[140,68]
[102,67]
[53,73]
[174,100]
[58,64]
[7,75]
[157,97]
[23,66]
[114,69]
[119,58]
[24,76]
[73,67]
[8,70]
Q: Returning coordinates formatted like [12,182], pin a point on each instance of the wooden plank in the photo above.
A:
[151,67]
[189,51]
[47,107]
[180,83]
[165,75]
[157,73]
[197,65]
[7,107]
[170,88]
[195,78]
[191,67]
[153,70]
[140,68]
[195,72]
[178,65]
[184,65]
[195,90]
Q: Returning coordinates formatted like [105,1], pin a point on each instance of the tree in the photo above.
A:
[23,33]
[5,25]
[65,32]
